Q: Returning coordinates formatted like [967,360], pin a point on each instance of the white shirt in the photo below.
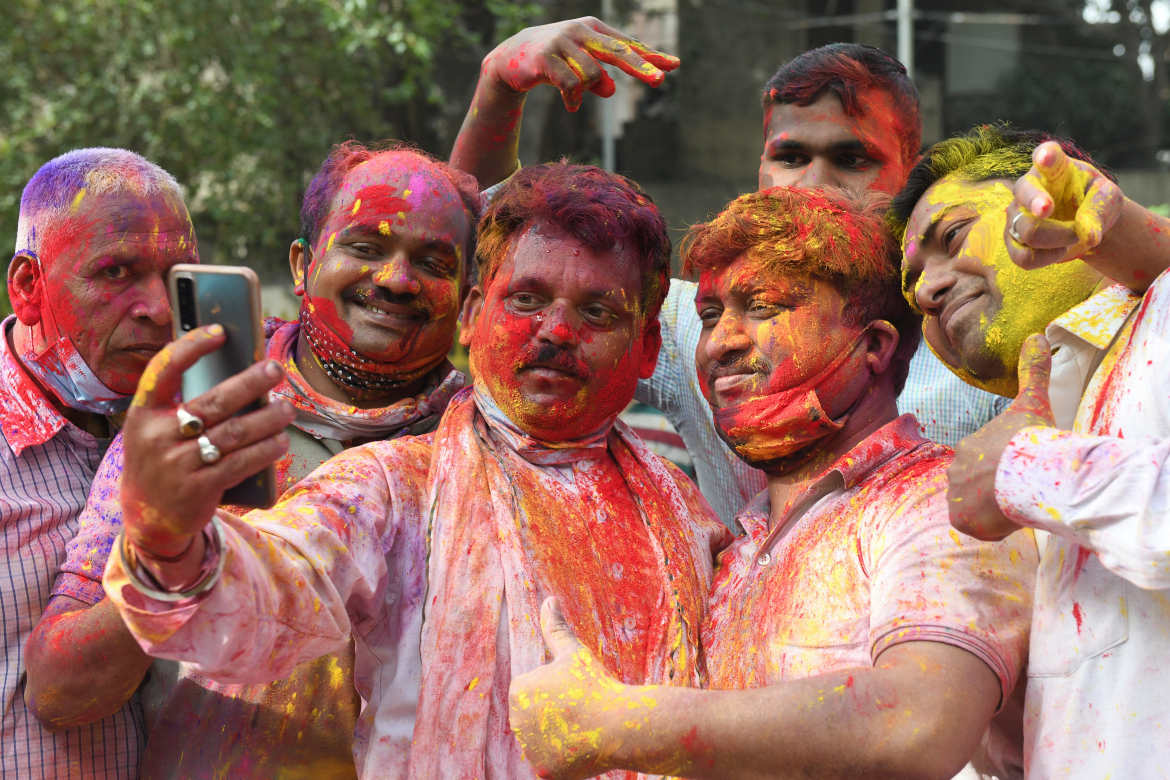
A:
[1098,697]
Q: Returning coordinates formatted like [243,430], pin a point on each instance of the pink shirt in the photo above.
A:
[46,465]
[863,559]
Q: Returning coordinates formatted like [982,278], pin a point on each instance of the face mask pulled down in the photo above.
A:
[60,368]
[779,428]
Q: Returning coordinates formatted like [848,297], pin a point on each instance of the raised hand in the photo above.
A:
[169,491]
[568,54]
[971,476]
[1063,207]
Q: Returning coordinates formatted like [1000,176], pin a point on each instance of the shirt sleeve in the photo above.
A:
[1107,494]
[930,583]
[295,577]
[80,576]
[663,389]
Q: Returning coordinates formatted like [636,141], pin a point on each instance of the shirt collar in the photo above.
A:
[27,418]
[892,440]
[1094,320]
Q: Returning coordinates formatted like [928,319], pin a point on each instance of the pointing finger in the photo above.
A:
[634,59]
[1102,199]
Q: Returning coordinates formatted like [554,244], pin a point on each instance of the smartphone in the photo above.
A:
[230,295]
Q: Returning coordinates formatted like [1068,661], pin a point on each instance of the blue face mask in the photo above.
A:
[62,370]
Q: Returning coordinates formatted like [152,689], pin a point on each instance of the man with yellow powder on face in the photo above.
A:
[871,638]
[1083,456]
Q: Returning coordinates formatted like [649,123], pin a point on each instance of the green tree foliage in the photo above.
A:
[239,100]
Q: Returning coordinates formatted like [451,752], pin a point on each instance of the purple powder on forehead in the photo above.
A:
[59,180]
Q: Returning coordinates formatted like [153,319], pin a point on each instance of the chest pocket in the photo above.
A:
[1081,611]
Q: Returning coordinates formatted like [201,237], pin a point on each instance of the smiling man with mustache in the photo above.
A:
[436,551]
[977,305]
[382,268]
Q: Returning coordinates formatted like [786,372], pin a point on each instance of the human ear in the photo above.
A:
[881,342]
[25,287]
[472,305]
[299,258]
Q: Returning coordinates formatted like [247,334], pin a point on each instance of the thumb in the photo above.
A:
[1034,369]
[558,636]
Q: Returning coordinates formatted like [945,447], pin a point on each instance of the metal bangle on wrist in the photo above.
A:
[144,583]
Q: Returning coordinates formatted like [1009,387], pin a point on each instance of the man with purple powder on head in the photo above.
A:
[98,230]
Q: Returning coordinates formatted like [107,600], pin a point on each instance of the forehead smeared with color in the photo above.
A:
[603,211]
[58,184]
[851,71]
[982,153]
[346,156]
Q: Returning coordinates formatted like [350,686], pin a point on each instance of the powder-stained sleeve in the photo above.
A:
[80,576]
[297,577]
[1107,494]
[931,583]
[663,390]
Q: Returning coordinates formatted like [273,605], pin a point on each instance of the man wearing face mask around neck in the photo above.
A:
[97,232]
[855,631]
[382,270]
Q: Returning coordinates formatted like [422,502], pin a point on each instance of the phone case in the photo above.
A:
[230,296]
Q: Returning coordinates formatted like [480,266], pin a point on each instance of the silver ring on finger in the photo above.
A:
[208,452]
[1012,228]
[190,425]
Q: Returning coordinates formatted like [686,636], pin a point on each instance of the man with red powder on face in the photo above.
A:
[382,268]
[97,231]
[842,115]
[435,552]
[852,631]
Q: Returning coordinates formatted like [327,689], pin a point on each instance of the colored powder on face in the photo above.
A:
[375,201]
[1028,299]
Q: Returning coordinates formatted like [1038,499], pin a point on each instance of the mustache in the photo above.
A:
[736,365]
[552,356]
[368,295]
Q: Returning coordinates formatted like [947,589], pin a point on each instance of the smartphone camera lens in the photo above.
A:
[186,290]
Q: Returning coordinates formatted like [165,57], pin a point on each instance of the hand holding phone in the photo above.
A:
[230,296]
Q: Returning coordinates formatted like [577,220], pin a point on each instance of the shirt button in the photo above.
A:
[764,559]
